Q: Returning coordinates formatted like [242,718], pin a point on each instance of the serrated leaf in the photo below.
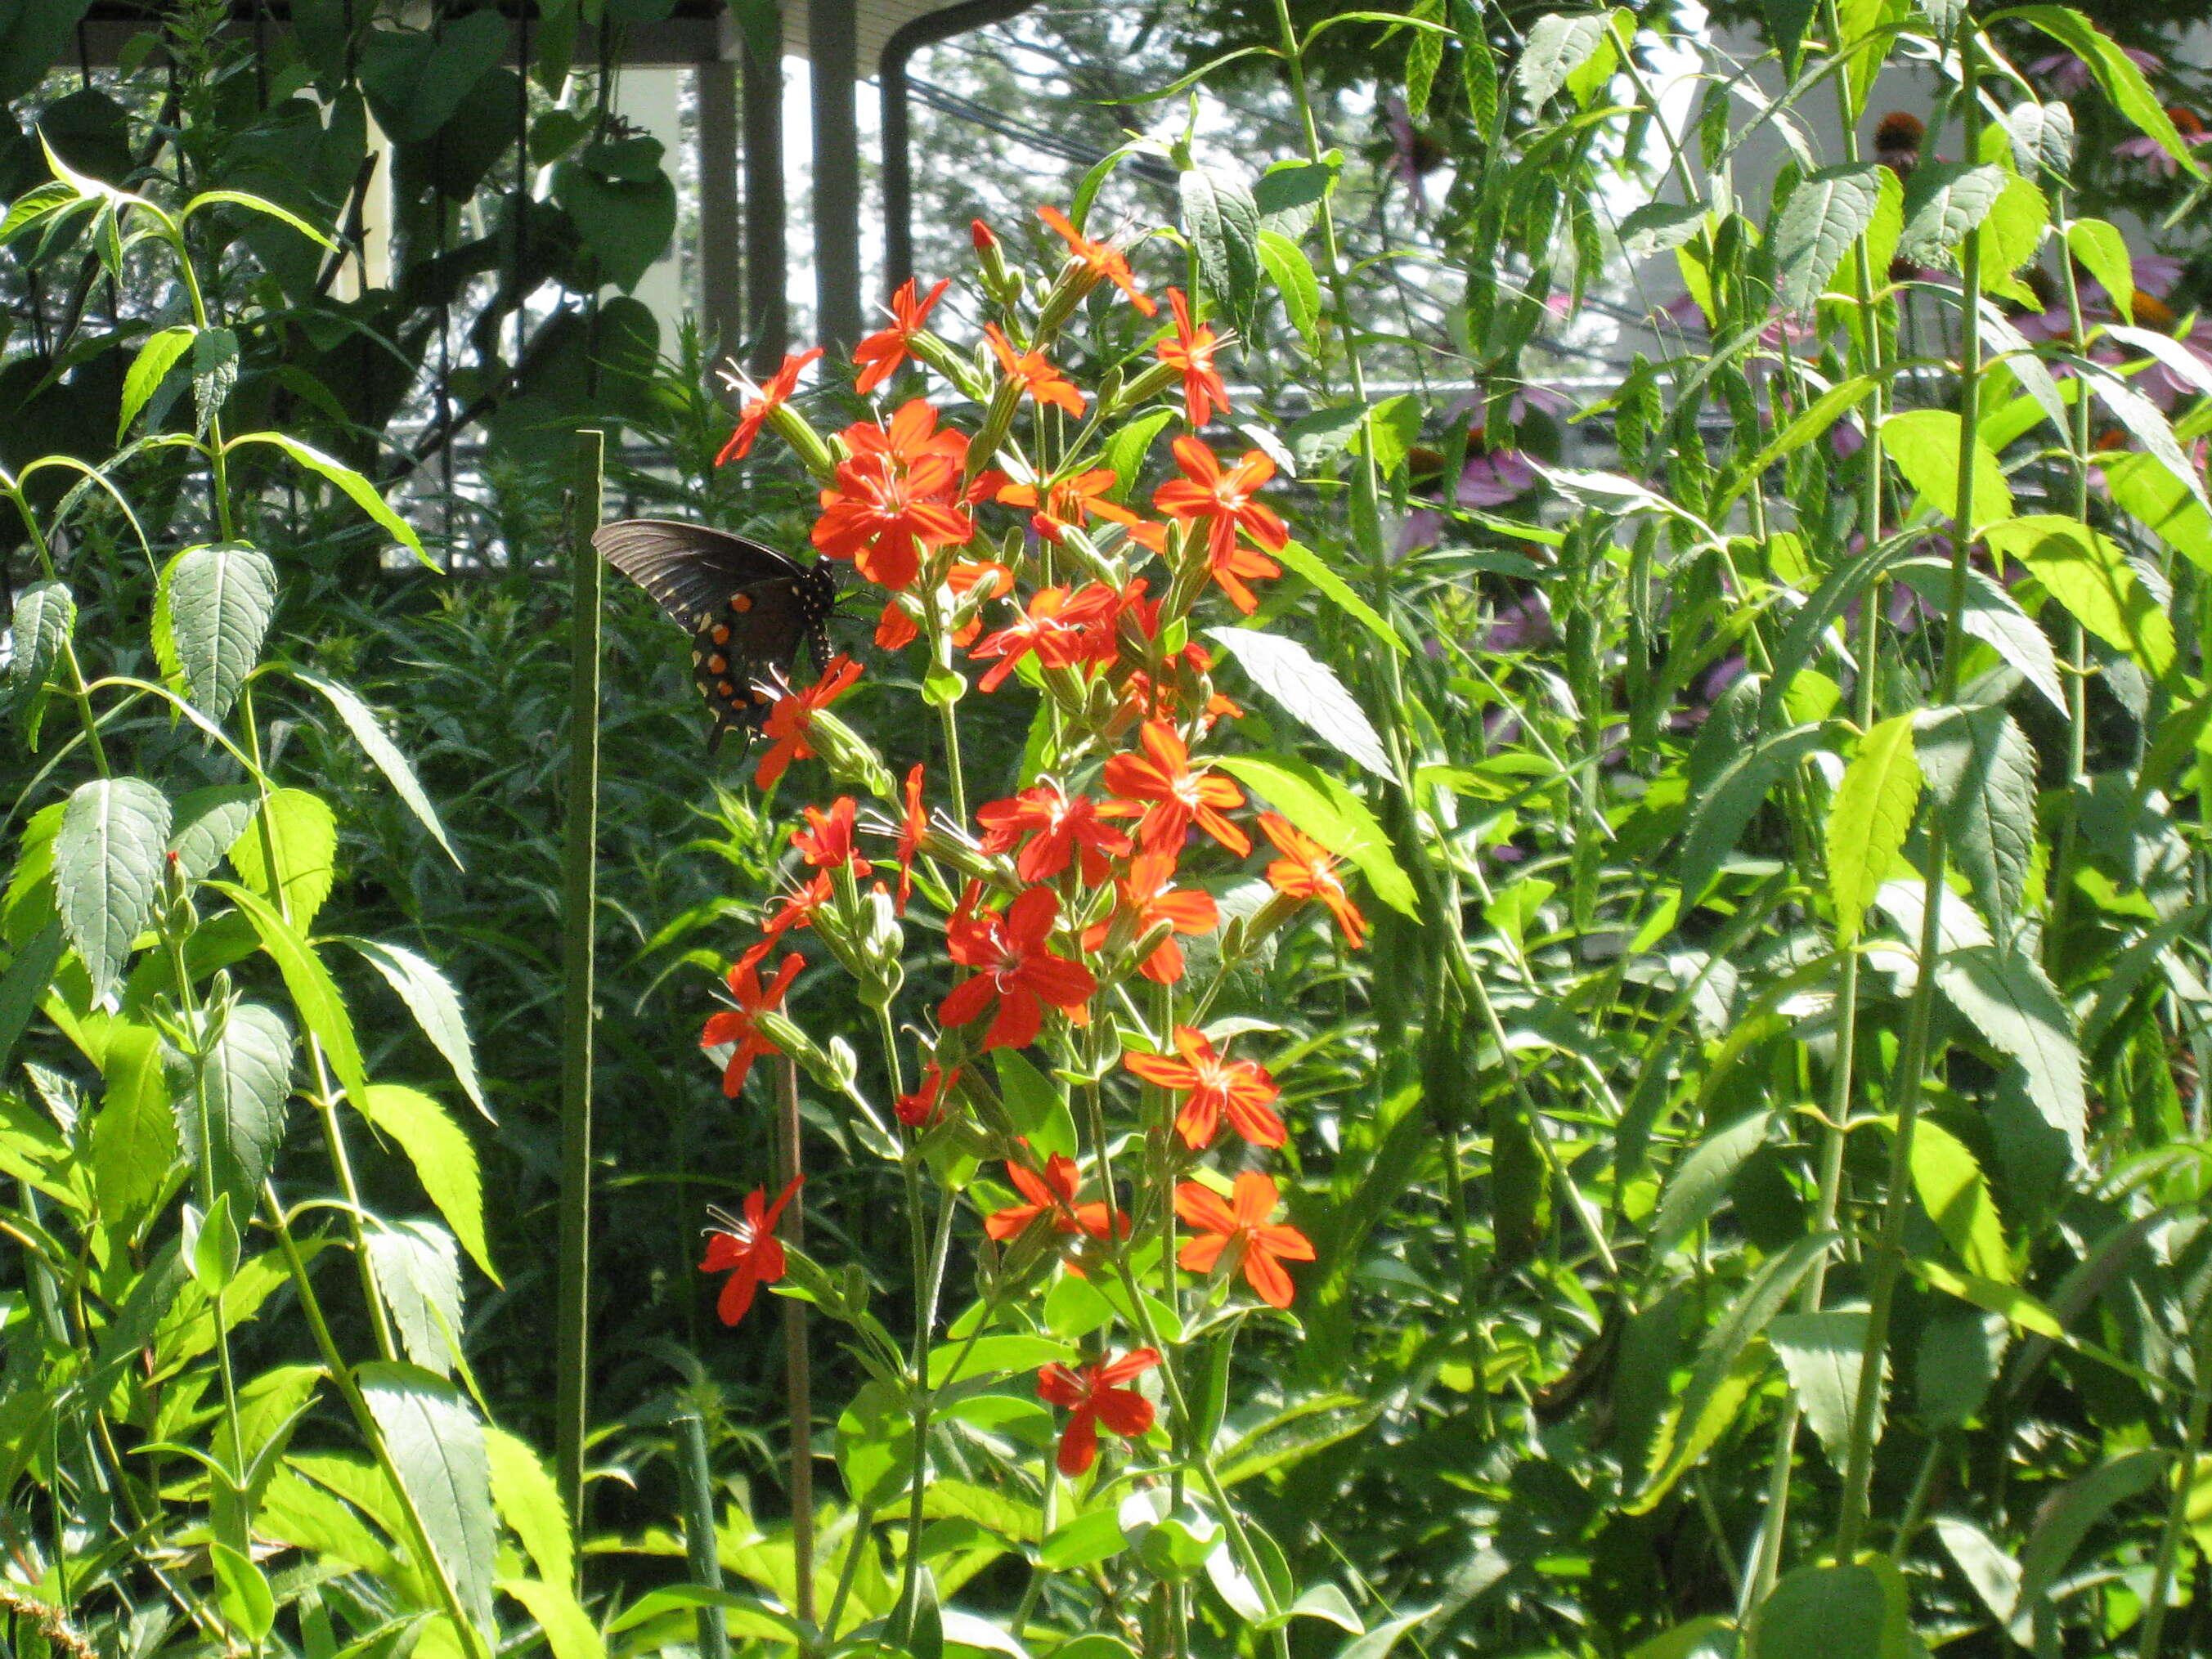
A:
[445,1162]
[1292,273]
[1126,450]
[2116,72]
[1718,815]
[314,996]
[349,482]
[436,1446]
[305,832]
[2146,425]
[370,733]
[568,1628]
[1558,46]
[2103,252]
[2086,573]
[1823,1612]
[1826,213]
[134,1139]
[417,1272]
[242,1085]
[45,620]
[1823,1352]
[1299,557]
[430,997]
[1955,1194]
[1992,615]
[1943,201]
[1324,809]
[2004,995]
[1659,227]
[108,860]
[215,371]
[214,609]
[1223,223]
[528,1501]
[209,821]
[1981,777]
[2042,138]
[1308,691]
[149,369]
[1924,445]
[1700,1182]
[2066,1516]
[1868,820]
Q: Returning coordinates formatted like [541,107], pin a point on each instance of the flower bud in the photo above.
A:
[951,364]
[807,443]
[881,943]
[1149,384]
[849,757]
[1000,284]
[998,421]
[1069,290]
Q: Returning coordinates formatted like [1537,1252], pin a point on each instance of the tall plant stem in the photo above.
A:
[798,1366]
[1836,1131]
[579,907]
[2177,1508]
[1912,1060]
[701,1560]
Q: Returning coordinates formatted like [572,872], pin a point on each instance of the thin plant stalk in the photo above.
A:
[798,1367]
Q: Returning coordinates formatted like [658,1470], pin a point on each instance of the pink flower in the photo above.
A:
[2068,74]
[2147,148]
[1495,478]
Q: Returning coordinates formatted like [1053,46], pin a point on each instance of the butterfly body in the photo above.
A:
[747,607]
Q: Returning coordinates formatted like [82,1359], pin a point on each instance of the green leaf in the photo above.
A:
[1825,1611]
[1700,1182]
[1826,212]
[1297,557]
[1307,689]
[134,1139]
[1990,614]
[355,487]
[417,1273]
[1292,274]
[256,204]
[313,995]
[1719,815]
[993,1356]
[2141,486]
[2005,996]
[2086,573]
[1126,450]
[1036,1105]
[1981,777]
[1943,202]
[2012,233]
[243,1081]
[215,371]
[1868,820]
[445,1162]
[1785,27]
[25,983]
[530,1503]
[2065,1518]
[45,620]
[1389,430]
[2103,252]
[568,1628]
[430,997]
[305,832]
[149,369]
[1994,1574]
[242,1593]
[213,609]
[415,79]
[1223,223]
[208,822]
[1558,46]
[1956,1195]
[1332,815]
[436,1445]
[1822,1353]
[108,858]
[1924,445]
[1661,227]
[626,223]
[370,733]
[2116,72]
[2145,424]
[2041,141]
[1087,1539]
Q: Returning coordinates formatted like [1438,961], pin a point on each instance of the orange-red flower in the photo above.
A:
[912,827]
[1192,351]
[740,1025]
[789,723]
[1030,370]
[1241,1229]
[827,842]
[1105,261]
[1146,901]
[1058,826]
[1308,870]
[896,629]
[1093,1394]
[1068,502]
[748,1245]
[878,357]
[1175,797]
[1052,1194]
[920,1108]
[1062,627]
[1216,1085]
[882,518]
[1020,972]
[1224,499]
[911,437]
[764,403]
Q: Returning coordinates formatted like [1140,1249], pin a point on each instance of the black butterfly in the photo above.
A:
[748,606]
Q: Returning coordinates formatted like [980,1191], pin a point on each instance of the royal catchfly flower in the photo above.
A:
[788,724]
[1145,901]
[1102,260]
[1224,500]
[1240,1230]
[827,842]
[882,515]
[878,356]
[739,1025]
[1053,1195]
[1174,796]
[1051,827]
[1214,1085]
[1030,371]
[920,1108]
[764,403]
[1061,627]
[1191,350]
[747,1248]
[1020,974]
[1068,502]
[913,826]
[1308,870]
[1093,1394]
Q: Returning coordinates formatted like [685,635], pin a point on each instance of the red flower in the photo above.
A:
[878,357]
[790,721]
[981,236]
[1093,1395]
[1306,870]
[1215,1084]
[1061,626]
[1020,972]
[1192,351]
[1147,900]
[919,1110]
[751,1247]
[911,438]
[1205,491]
[1102,260]
[1030,371]
[797,909]
[1069,501]
[1059,826]
[882,518]
[912,827]
[827,841]
[777,391]
[1241,1228]
[1177,796]
[1052,1194]
[738,1024]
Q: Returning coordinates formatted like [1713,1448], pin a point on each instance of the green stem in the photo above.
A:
[2176,1509]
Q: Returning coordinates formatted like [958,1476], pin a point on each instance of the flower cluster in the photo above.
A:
[1076,896]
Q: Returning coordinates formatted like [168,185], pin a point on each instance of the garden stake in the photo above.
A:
[701,1560]
[578,897]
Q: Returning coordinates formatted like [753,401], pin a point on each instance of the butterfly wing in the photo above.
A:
[749,609]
